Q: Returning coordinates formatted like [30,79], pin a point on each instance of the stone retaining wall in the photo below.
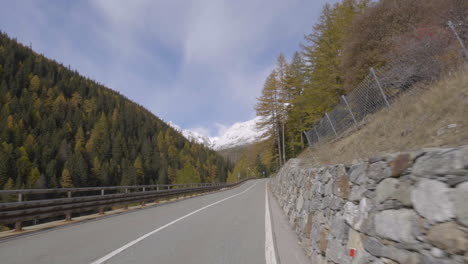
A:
[399,208]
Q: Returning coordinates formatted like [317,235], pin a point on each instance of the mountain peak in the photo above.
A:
[240,133]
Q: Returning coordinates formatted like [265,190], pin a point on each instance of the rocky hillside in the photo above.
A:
[397,208]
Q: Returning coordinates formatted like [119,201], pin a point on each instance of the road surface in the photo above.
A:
[231,226]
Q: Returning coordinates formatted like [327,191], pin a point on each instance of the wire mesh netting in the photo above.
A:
[365,99]
[417,62]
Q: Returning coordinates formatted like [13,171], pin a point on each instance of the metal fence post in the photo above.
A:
[101,209]
[333,127]
[18,227]
[380,86]
[349,109]
[143,202]
[318,137]
[68,216]
[452,27]
[126,205]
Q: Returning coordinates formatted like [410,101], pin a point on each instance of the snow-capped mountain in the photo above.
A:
[238,134]
[192,135]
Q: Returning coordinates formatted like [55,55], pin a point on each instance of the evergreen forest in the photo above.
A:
[350,37]
[60,129]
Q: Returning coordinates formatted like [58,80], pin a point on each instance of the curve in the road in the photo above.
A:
[132,243]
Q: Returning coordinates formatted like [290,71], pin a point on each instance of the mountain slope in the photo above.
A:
[61,129]
[192,135]
[239,134]
[242,133]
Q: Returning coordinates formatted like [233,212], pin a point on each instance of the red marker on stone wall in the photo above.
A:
[352,252]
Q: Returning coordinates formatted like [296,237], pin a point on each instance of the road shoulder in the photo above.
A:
[288,249]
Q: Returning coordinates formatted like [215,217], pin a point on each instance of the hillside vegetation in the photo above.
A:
[350,37]
[429,116]
[59,129]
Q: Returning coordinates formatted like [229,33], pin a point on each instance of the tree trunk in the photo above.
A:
[284,149]
[302,137]
[279,145]
[302,140]
[293,147]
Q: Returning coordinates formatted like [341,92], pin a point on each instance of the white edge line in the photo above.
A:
[270,253]
[119,250]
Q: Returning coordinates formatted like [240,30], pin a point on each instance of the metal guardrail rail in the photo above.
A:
[21,210]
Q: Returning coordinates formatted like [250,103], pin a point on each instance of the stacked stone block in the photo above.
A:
[398,208]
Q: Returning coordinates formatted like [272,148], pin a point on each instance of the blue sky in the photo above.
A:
[199,63]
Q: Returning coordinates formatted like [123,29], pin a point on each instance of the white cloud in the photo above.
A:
[197,63]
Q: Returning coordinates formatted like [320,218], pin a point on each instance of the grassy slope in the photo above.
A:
[419,119]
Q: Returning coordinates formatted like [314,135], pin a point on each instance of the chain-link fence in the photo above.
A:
[418,61]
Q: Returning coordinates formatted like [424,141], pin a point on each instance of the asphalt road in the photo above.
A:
[225,227]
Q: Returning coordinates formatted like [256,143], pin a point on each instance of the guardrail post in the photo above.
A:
[18,227]
[69,194]
[101,209]
[68,216]
[143,202]
[126,205]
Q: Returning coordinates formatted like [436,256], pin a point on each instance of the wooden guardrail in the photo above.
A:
[29,209]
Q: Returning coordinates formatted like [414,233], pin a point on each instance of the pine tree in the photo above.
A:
[51,173]
[139,170]
[283,98]
[35,83]
[324,55]
[267,108]
[4,166]
[79,140]
[9,185]
[65,121]
[294,85]
[65,179]
[33,177]
[187,174]
[96,169]
[98,143]
[23,167]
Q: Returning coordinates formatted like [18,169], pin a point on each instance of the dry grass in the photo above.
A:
[423,118]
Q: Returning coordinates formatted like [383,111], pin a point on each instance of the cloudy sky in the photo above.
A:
[198,63]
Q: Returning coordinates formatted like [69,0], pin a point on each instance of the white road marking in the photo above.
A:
[119,250]
[270,253]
